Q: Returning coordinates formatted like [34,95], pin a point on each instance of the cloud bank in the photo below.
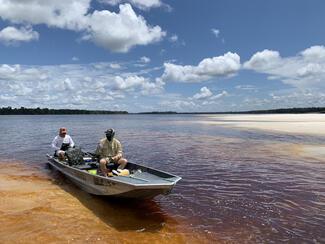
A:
[118,32]
[87,86]
[305,70]
[106,85]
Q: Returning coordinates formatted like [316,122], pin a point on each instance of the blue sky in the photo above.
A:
[159,55]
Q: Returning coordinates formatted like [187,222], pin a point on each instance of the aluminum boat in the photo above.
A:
[142,181]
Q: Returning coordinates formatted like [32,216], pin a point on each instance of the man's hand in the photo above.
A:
[116,158]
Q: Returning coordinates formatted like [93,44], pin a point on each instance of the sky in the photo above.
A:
[162,55]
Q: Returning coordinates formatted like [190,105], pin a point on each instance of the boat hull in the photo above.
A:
[117,186]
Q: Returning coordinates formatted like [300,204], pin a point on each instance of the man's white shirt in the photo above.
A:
[58,141]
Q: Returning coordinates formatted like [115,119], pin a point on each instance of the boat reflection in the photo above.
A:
[121,214]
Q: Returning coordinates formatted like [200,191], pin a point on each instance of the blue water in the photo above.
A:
[234,187]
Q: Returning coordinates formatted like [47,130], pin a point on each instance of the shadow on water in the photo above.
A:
[143,215]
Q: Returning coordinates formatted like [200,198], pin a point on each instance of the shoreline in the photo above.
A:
[297,124]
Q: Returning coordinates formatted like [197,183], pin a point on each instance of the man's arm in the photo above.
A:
[98,151]
[119,154]
[54,144]
[71,142]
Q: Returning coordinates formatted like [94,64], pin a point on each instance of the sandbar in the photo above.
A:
[305,124]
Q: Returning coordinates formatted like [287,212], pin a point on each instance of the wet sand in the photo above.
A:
[316,152]
[36,207]
[306,124]
[292,124]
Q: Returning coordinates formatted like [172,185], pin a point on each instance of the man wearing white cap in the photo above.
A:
[61,143]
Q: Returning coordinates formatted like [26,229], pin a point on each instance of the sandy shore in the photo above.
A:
[310,124]
[295,124]
[316,152]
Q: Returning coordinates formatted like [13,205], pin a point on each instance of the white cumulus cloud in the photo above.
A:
[120,32]
[145,59]
[314,52]
[68,14]
[264,60]
[142,4]
[304,70]
[204,93]
[129,83]
[208,68]
[117,32]
[11,35]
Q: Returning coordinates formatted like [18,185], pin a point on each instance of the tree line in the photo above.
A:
[269,111]
[287,110]
[41,111]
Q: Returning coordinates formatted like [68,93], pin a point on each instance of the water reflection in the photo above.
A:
[121,214]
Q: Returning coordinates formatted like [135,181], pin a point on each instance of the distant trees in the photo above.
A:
[156,112]
[272,111]
[289,110]
[40,111]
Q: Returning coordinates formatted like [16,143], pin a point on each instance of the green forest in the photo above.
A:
[41,111]
[47,111]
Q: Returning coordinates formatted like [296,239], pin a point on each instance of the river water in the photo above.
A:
[238,186]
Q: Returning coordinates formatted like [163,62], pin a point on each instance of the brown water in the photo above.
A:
[237,187]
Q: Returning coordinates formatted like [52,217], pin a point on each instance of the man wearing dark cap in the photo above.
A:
[110,153]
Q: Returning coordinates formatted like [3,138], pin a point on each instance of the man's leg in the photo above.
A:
[102,166]
[61,155]
[122,163]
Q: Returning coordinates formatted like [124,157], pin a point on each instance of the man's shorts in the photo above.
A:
[111,166]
